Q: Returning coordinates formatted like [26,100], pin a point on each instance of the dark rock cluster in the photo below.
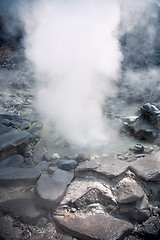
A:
[146,125]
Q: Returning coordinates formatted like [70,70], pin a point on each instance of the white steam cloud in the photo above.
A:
[75,51]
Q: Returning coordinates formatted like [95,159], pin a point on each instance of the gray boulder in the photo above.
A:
[49,193]
[128,191]
[105,167]
[146,125]
[11,139]
[95,224]
[147,168]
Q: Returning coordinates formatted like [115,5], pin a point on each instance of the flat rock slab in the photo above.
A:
[49,192]
[128,191]
[62,176]
[18,176]
[78,190]
[93,225]
[106,166]
[147,168]
[11,137]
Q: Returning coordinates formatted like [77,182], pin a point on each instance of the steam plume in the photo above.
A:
[75,51]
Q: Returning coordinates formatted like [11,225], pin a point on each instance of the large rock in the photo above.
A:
[62,176]
[147,168]
[49,192]
[146,126]
[10,139]
[14,120]
[18,176]
[137,211]
[20,203]
[128,191]
[104,167]
[81,193]
[93,225]
[151,113]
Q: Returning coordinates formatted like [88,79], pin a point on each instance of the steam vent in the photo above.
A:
[80,120]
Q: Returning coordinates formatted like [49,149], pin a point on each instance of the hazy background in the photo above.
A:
[84,53]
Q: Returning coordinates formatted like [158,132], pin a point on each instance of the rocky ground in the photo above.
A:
[47,196]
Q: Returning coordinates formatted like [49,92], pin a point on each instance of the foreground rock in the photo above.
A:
[128,191]
[147,168]
[93,225]
[49,192]
[104,167]
[18,176]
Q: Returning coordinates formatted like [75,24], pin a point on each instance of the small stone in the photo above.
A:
[49,192]
[55,156]
[128,191]
[62,176]
[138,148]
[81,158]
[67,164]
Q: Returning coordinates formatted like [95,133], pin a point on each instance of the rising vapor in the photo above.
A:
[75,51]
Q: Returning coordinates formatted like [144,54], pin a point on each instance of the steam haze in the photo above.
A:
[75,51]
[80,50]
